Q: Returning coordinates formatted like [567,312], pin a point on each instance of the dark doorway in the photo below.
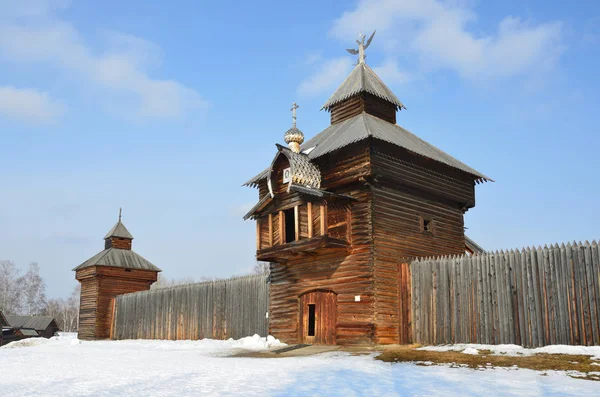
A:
[290,225]
[311,319]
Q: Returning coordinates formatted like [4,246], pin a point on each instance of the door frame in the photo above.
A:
[325,302]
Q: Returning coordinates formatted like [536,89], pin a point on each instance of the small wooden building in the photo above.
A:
[114,271]
[339,216]
[31,326]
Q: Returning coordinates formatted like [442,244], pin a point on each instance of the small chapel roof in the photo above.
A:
[303,171]
[362,79]
[363,126]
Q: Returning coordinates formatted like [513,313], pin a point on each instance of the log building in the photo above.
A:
[339,216]
[114,271]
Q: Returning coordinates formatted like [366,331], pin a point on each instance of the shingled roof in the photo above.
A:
[303,171]
[473,246]
[115,257]
[362,79]
[39,323]
[119,230]
[365,126]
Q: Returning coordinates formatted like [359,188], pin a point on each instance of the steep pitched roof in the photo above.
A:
[118,230]
[39,323]
[115,257]
[257,178]
[364,126]
[303,171]
[473,246]
[362,79]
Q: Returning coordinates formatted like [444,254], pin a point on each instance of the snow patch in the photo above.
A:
[470,350]
[255,342]
[63,338]
[516,350]
[29,342]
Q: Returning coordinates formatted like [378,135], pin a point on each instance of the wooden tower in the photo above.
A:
[116,270]
[340,214]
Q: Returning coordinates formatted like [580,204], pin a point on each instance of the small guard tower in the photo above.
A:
[114,271]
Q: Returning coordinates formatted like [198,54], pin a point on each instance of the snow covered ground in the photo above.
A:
[64,366]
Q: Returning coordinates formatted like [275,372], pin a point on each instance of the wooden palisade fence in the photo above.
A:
[533,297]
[231,308]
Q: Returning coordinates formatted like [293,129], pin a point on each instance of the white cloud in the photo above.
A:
[326,77]
[120,69]
[29,105]
[391,74]
[437,32]
[28,8]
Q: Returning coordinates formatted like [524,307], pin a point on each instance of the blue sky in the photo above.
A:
[165,110]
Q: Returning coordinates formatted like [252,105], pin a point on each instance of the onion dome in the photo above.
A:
[294,137]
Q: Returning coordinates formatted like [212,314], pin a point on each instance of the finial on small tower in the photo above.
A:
[294,137]
[120,209]
[361,47]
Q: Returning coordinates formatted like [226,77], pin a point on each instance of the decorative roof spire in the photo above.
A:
[294,137]
[361,47]
[293,109]
[119,230]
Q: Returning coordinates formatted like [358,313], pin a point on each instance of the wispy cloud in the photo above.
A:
[120,69]
[29,105]
[391,73]
[326,76]
[438,34]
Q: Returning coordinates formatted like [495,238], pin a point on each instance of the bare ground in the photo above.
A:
[576,366]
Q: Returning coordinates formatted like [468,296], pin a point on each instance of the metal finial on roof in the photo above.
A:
[294,137]
[361,47]
[120,209]
[293,109]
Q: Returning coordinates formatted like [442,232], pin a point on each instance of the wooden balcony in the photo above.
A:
[305,229]
[306,247]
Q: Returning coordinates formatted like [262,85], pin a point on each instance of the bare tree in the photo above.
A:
[164,282]
[262,267]
[34,290]
[10,291]
[65,311]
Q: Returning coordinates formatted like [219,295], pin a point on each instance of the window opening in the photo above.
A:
[311,319]
[427,225]
[290,225]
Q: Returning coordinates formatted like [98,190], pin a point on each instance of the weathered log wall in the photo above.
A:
[533,297]
[99,285]
[223,309]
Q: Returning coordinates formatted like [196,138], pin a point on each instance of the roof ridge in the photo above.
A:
[362,79]
[433,147]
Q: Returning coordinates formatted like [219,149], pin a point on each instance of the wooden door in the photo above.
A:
[318,317]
